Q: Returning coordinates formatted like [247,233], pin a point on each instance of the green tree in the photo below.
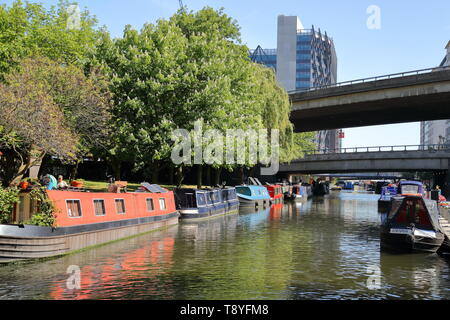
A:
[48,108]
[29,29]
[188,68]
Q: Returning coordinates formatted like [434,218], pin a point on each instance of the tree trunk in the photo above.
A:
[116,166]
[217,174]
[74,171]
[251,172]
[199,176]
[171,173]
[25,165]
[180,176]
[208,176]
[241,175]
[155,172]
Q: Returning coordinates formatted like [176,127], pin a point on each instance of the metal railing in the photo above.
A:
[397,148]
[371,79]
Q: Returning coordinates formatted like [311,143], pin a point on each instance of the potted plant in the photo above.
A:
[23,185]
[77,183]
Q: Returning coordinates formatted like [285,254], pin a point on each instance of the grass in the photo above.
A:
[102,186]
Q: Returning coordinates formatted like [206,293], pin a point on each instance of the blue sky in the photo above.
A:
[412,36]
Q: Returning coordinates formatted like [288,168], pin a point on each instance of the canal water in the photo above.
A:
[323,248]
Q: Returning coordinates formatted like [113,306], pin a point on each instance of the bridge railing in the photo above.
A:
[399,148]
[372,79]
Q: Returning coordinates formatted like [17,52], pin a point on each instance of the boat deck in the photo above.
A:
[445,224]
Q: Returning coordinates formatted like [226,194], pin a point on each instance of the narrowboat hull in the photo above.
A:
[23,242]
[409,243]
[290,196]
[253,203]
[277,199]
[383,205]
[205,212]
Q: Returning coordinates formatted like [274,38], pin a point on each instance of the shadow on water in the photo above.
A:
[323,248]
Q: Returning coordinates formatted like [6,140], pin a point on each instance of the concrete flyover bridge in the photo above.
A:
[407,158]
[402,97]
[372,159]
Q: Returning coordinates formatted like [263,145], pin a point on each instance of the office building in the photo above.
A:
[304,58]
[437,131]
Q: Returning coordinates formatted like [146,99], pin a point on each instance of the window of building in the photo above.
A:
[74,208]
[99,207]
[162,203]
[150,205]
[120,206]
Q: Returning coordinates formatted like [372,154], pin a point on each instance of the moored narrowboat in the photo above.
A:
[321,188]
[387,192]
[412,223]
[275,193]
[288,192]
[302,191]
[84,219]
[205,203]
[254,196]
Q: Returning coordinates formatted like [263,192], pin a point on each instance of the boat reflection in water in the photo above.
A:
[127,263]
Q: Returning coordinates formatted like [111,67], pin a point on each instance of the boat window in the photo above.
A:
[74,208]
[208,198]
[162,203]
[201,199]
[410,189]
[120,206]
[216,196]
[150,206]
[244,190]
[99,207]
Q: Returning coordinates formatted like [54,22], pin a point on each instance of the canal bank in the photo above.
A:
[324,248]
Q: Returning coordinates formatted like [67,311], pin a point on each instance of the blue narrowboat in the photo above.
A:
[253,196]
[348,185]
[387,192]
[205,203]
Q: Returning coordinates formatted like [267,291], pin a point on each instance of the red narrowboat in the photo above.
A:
[84,219]
[275,193]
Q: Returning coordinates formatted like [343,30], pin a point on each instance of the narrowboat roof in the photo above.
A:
[253,192]
[431,209]
[417,183]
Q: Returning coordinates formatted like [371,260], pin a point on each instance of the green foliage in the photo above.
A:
[168,75]
[29,29]
[45,215]
[191,67]
[49,108]
[8,197]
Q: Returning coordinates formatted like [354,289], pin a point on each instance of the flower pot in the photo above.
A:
[23,185]
[77,184]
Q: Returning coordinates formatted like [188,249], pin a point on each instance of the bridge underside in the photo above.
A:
[386,111]
[405,99]
[370,162]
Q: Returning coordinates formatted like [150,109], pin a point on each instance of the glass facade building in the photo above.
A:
[316,62]
[305,58]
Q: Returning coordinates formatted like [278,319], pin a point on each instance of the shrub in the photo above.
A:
[8,197]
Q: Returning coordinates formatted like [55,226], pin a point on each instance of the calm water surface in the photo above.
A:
[320,249]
